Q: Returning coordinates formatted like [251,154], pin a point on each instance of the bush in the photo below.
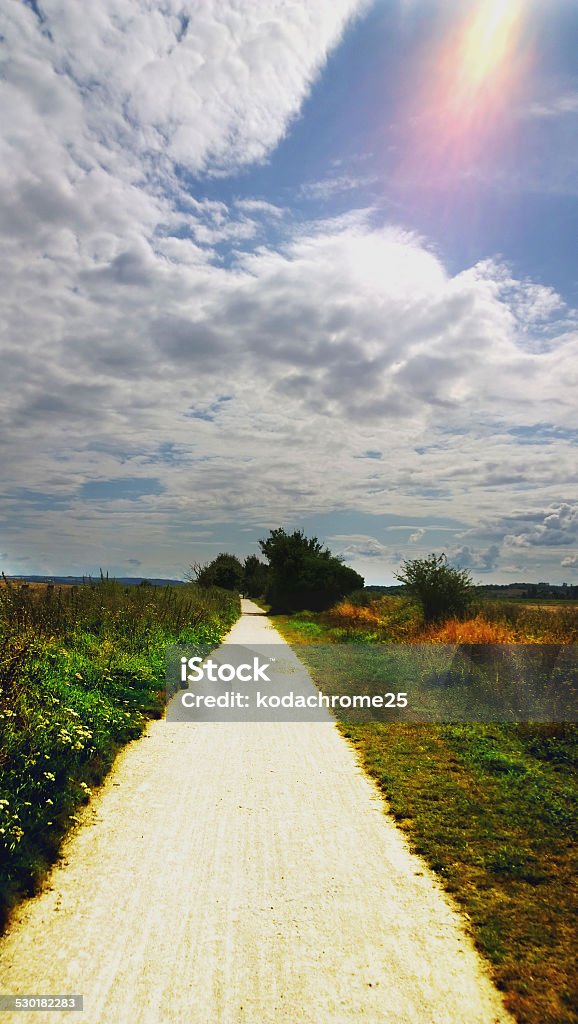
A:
[442,591]
[255,577]
[304,574]
[225,571]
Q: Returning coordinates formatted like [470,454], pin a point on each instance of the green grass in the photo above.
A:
[81,671]
[493,809]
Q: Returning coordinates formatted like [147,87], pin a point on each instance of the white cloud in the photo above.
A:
[554,527]
[359,547]
[570,561]
[123,328]
[417,535]
[205,84]
[329,187]
[260,206]
[556,106]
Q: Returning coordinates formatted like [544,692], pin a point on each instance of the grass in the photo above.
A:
[82,669]
[493,811]
[493,808]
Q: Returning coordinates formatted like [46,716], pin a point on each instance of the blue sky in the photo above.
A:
[305,265]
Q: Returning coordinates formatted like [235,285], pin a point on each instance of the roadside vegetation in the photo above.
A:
[493,808]
[299,573]
[82,669]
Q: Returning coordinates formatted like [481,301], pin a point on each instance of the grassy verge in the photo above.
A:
[493,811]
[82,669]
[492,808]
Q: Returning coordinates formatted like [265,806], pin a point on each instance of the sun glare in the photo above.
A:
[488,39]
[461,111]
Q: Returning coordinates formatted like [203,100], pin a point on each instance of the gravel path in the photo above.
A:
[235,872]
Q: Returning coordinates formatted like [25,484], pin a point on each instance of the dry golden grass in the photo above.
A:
[471,631]
[388,618]
[348,614]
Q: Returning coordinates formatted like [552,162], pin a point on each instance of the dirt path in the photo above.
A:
[234,872]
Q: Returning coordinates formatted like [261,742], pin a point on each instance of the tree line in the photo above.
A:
[300,573]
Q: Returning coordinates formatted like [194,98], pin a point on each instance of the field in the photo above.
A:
[493,808]
[82,669]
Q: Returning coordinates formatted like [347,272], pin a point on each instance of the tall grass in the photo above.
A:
[81,670]
[392,619]
[544,624]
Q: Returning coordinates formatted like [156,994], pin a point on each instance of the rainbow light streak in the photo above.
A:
[463,108]
[485,52]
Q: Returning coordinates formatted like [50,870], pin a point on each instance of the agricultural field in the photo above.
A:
[492,807]
[82,669]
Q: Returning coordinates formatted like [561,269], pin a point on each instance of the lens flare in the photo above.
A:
[488,40]
[462,113]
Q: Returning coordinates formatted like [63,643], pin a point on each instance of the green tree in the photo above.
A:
[304,574]
[224,571]
[441,590]
[255,577]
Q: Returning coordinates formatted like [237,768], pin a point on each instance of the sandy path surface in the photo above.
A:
[234,872]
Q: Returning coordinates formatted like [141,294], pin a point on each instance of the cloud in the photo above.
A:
[417,535]
[205,86]
[329,187]
[556,527]
[340,366]
[557,106]
[570,561]
[260,206]
[347,339]
[360,546]
[465,557]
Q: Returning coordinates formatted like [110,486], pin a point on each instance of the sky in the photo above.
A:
[299,263]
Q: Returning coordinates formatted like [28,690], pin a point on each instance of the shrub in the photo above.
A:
[225,571]
[442,591]
[255,577]
[303,574]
